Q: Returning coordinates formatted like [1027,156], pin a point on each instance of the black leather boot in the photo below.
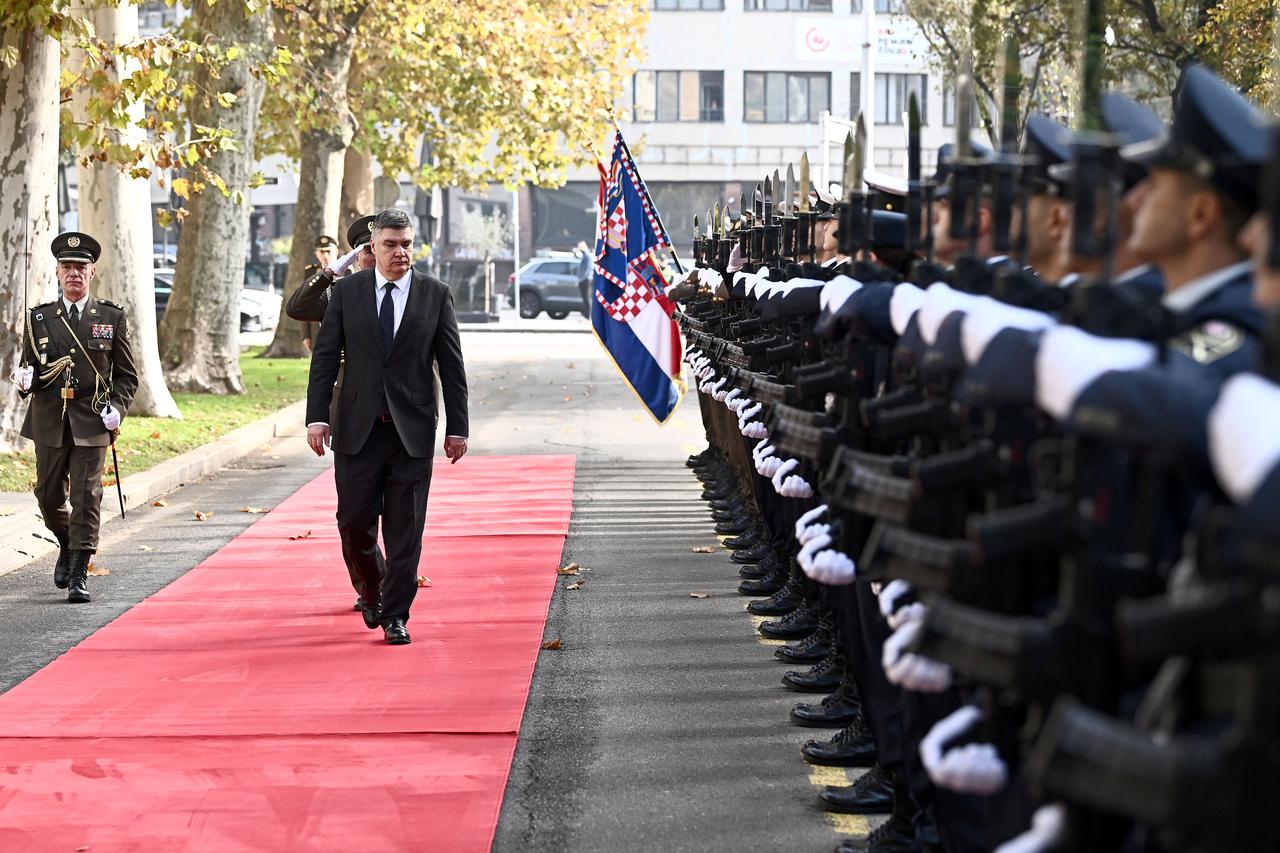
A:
[812,648]
[897,834]
[852,746]
[736,526]
[747,540]
[767,585]
[823,677]
[798,623]
[755,554]
[78,582]
[62,569]
[871,794]
[839,709]
[781,602]
[755,571]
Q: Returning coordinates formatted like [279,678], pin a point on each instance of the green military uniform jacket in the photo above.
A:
[100,363]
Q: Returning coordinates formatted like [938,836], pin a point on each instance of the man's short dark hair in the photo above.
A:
[392,218]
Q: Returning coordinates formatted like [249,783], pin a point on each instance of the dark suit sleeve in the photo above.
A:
[326,357]
[310,299]
[447,347]
[124,373]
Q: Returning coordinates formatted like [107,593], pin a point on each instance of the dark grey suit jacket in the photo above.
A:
[401,379]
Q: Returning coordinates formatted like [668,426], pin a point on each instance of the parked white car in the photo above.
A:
[259,310]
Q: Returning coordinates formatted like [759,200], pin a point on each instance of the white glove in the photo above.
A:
[781,471]
[23,377]
[110,417]
[716,393]
[890,594]
[810,550]
[913,612]
[910,671]
[710,278]
[769,466]
[833,568]
[761,450]
[346,261]
[974,768]
[747,412]
[755,429]
[1043,836]
[796,487]
[732,397]
[811,532]
[809,518]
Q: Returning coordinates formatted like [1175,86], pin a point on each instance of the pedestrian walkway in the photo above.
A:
[245,707]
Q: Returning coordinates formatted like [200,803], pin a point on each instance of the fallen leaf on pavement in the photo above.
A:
[575,585]
[98,571]
[306,535]
[552,644]
[155,435]
[571,569]
[699,595]
[570,365]
[145,548]
[705,549]
[203,516]
[568,399]
[256,510]
[423,580]
[159,503]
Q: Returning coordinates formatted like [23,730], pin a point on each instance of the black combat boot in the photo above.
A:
[871,794]
[747,540]
[798,623]
[781,602]
[812,648]
[897,834]
[62,569]
[755,554]
[78,592]
[775,580]
[823,677]
[839,709]
[852,746]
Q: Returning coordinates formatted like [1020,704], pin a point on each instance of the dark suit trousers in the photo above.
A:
[383,480]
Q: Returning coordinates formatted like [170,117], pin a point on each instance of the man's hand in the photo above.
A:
[22,376]
[455,448]
[345,261]
[306,344]
[318,438]
[110,417]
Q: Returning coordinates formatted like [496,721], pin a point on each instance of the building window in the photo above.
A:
[892,91]
[781,96]
[687,5]
[890,7]
[949,105]
[787,5]
[679,96]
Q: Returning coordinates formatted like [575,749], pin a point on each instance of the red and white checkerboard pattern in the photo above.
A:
[636,294]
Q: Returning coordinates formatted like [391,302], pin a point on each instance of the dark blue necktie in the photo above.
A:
[387,317]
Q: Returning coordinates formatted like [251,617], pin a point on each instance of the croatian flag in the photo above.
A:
[630,312]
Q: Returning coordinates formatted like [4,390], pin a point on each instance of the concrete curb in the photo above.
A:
[24,537]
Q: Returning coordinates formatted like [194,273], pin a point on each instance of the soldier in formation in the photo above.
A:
[78,371]
[1004,474]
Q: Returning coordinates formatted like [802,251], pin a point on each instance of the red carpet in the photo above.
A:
[245,707]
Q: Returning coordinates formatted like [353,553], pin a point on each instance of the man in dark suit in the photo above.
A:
[391,322]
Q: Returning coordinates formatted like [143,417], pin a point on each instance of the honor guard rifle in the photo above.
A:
[787,215]
[804,216]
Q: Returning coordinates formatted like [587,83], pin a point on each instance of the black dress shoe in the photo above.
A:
[767,585]
[839,709]
[712,493]
[811,649]
[369,612]
[852,746]
[735,526]
[780,603]
[356,606]
[396,633]
[871,794]
[720,516]
[798,623]
[823,677]
[733,502]
[755,554]
[62,569]
[753,571]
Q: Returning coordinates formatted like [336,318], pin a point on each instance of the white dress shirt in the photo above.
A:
[1185,298]
[66,306]
[399,295]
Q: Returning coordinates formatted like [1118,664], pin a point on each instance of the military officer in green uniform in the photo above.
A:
[78,370]
[308,302]
[325,248]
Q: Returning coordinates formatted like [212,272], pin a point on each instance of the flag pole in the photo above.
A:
[644,191]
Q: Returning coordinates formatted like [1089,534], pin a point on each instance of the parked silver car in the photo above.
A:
[548,284]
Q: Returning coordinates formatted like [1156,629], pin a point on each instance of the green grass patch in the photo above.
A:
[270,384]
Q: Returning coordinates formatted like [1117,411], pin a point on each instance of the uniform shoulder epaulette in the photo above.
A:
[44,304]
[115,305]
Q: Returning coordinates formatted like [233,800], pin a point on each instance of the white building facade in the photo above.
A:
[731,90]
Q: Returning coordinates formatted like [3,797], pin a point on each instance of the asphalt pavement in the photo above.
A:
[660,723]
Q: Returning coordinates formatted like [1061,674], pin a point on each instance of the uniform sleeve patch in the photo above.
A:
[1210,341]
